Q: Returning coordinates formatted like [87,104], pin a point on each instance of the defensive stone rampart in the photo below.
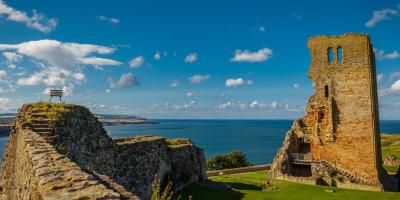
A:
[60,151]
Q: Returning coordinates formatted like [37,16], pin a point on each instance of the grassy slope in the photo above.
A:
[390,146]
[251,185]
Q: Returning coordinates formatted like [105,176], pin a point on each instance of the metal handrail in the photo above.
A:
[300,157]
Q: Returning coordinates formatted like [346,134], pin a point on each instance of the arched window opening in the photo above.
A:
[330,54]
[321,116]
[340,53]
[326,91]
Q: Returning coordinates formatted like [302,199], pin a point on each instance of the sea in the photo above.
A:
[258,139]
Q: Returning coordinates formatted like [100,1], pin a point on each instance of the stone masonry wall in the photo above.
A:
[341,123]
[124,167]
[353,105]
[33,169]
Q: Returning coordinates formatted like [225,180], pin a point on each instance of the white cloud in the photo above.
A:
[12,57]
[79,77]
[12,66]
[190,105]
[9,105]
[189,94]
[3,74]
[126,80]
[379,77]
[191,58]
[296,85]
[111,20]
[239,105]
[381,15]
[157,56]
[59,63]
[262,28]
[247,56]
[175,83]
[37,21]
[107,90]
[396,86]
[198,78]
[394,89]
[380,54]
[237,82]
[136,62]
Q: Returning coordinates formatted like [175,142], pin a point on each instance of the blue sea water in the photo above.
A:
[258,139]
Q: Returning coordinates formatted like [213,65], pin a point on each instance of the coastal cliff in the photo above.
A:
[61,151]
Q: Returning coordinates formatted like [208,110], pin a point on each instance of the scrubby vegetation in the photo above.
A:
[178,141]
[230,160]
[391,145]
[161,193]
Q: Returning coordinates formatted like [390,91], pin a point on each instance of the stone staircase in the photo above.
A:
[341,173]
[40,123]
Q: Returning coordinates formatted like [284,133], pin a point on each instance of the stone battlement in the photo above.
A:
[61,151]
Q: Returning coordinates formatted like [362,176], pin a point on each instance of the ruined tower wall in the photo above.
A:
[338,140]
[345,122]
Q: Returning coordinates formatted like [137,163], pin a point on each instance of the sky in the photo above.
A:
[185,59]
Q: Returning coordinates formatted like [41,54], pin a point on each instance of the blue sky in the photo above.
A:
[184,59]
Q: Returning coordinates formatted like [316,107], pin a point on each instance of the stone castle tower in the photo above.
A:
[338,140]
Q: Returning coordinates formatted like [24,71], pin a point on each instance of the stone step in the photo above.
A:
[47,129]
[39,110]
[41,125]
[44,134]
[39,115]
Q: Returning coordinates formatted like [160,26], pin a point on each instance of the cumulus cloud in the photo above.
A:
[110,20]
[59,63]
[157,56]
[395,86]
[191,58]
[262,28]
[380,54]
[381,15]
[174,83]
[136,62]
[12,57]
[37,21]
[239,105]
[9,105]
[3,74]
[237,82]
[190,105]
[126,80]
[189,94]
[248,56]
[198,78]
[393,89]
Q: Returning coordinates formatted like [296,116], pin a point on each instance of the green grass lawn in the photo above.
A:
[251,187]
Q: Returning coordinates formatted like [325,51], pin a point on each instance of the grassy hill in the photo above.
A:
[255,185]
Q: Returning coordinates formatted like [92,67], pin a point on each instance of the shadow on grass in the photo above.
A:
[215,190]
